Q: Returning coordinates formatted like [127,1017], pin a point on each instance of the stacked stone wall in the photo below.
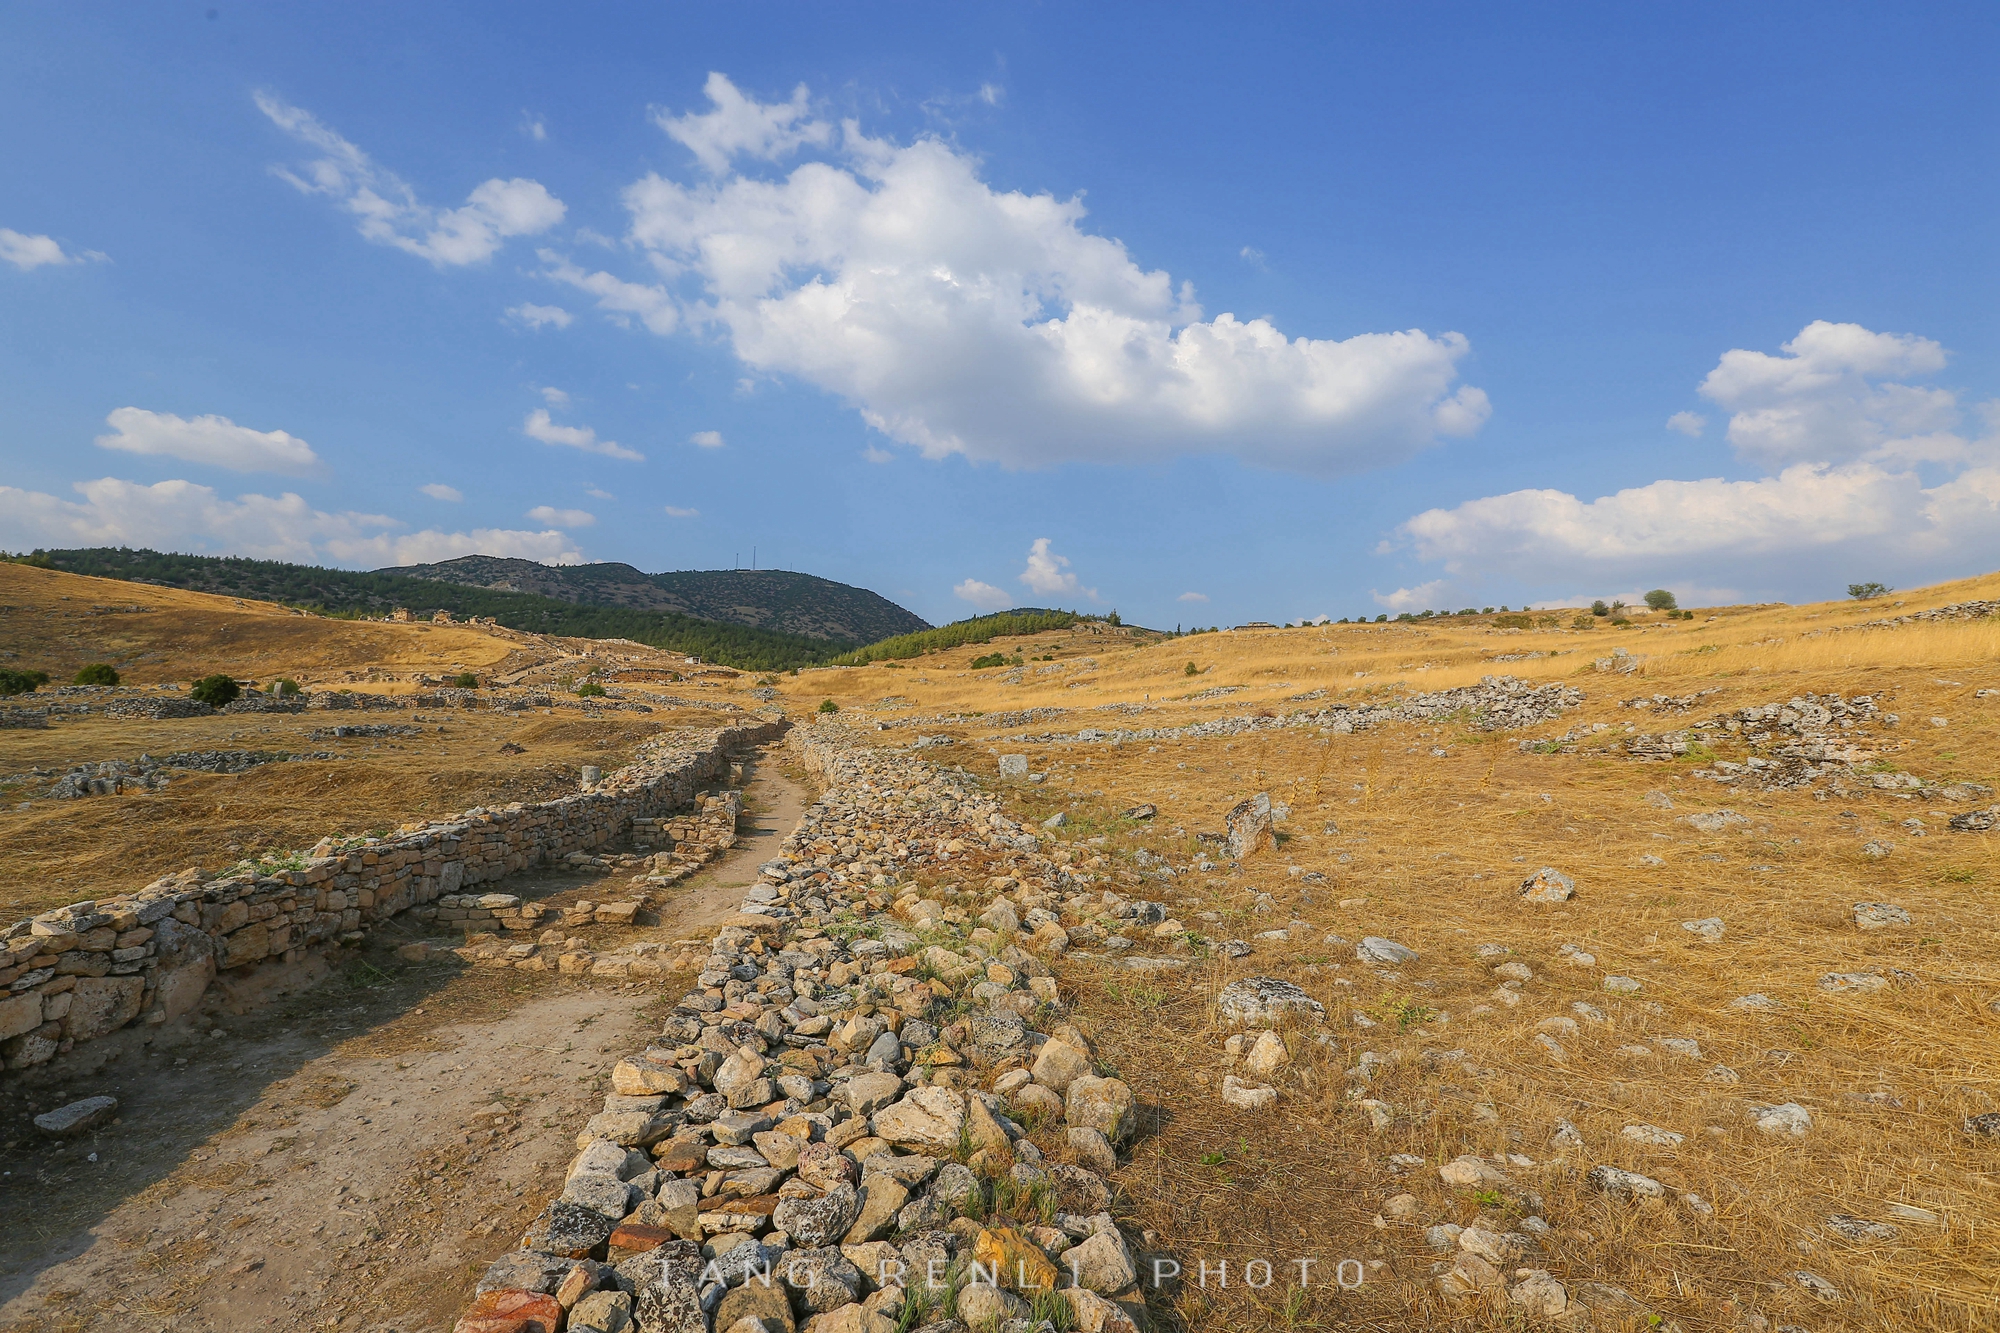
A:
[80,972]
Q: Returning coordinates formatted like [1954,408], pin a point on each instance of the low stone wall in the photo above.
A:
[871,1105]
[79,972]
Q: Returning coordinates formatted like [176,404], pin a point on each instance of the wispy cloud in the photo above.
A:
[25,251]
[215,440]
[539,426]
[437,490]
[983,595]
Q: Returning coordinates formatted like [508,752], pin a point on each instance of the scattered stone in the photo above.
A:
[1817,1287]
[1266,1002]
[1248,1096]
[1842,983]
[1548,885]
[1375,949]
[1622,1184]
[77,1117]
[1708,930]
[1622,985]
[1877,916]
[1786,1118]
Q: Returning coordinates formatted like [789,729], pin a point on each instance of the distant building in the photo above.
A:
[400,613]
[441,618]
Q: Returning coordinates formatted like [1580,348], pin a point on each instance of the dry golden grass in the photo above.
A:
[58,852]
[1429,849]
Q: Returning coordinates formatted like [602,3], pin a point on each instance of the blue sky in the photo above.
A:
[1324,310]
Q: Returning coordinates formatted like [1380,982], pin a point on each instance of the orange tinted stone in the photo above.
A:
[506,1311]
[632,1238]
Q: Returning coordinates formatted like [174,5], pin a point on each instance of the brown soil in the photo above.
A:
[351,1155]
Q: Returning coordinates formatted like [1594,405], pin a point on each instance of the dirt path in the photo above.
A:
[349,1156]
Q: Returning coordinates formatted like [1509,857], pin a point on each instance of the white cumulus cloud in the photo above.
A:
[389,210]
[1192,597]
[1420,598]
[962,319]
[982,595]
[1690,424]
[706,439]
[184,516]
[539,426]
[1850,490]
[1050,575]
[210,439]
[737,124]
[550,516]
[541,316]
[437,490]
[26,251]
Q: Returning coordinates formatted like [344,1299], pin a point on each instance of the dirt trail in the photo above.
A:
[347,1156]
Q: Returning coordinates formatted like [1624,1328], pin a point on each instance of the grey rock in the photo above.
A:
[1267,1002]
[77,1117]
[818,1222]
[1375,949]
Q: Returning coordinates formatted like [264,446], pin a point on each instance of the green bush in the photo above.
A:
[828,706]
[1583,622]
[1190,670]
[215,691]
[283,685]
[1514,621]
[590,689]
[465,680]
[990,660]
[1661,600]
[97,673]
[1599,608]
[21,682]
[1862,592]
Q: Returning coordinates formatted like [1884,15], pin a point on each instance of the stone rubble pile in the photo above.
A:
[1955,611]
[76,973]
[111,777]
[1497,703]
[870,1113]
[1806,740]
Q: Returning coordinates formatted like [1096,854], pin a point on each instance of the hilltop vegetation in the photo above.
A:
[780,600]
[352,594]
[977,629]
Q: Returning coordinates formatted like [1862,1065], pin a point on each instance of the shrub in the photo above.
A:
[1861,592]
[1599,608]
[990,660]
[1379,619]
[590,689]
[1661,600]
[284,685]
[465,680]
[828,706]
[215,691]
[1515,621]
[21,682]
[1584,622]
[97,673]
[1191,670]
[1620,620]
[1113,619]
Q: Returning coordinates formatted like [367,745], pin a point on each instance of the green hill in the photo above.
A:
[760,598]
[343,592]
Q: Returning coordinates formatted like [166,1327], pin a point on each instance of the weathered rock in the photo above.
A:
[882,1198]
[821,1278]
[1248,1096]
[869,1093]
[1092,1148]
[1267,1057]
[1538,1295]
[1248,826]
[1058,1064]
[1468,1172]
[505,1311]
[1708,930]
[1375,949]
[1014,1260]
[821,1221]
[1091,1313]
[101,1005]
[77,1117]
[605,1311]
[568,1229]
[1102,1263]
[1787,1118]
[982,1305]
[1103,1104]
[1266,1002]
[927,1118]
[1879,916]
[1548,885]
[754,1300]
[1622,1184]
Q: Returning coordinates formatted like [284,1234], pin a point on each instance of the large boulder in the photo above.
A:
[667,1289]
[1249,826]
[821,1221]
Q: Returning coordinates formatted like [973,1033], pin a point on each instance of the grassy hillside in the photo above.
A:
[780,600]
[348,593]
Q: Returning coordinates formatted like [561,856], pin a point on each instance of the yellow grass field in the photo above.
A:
[1418,832]
[1422,833]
